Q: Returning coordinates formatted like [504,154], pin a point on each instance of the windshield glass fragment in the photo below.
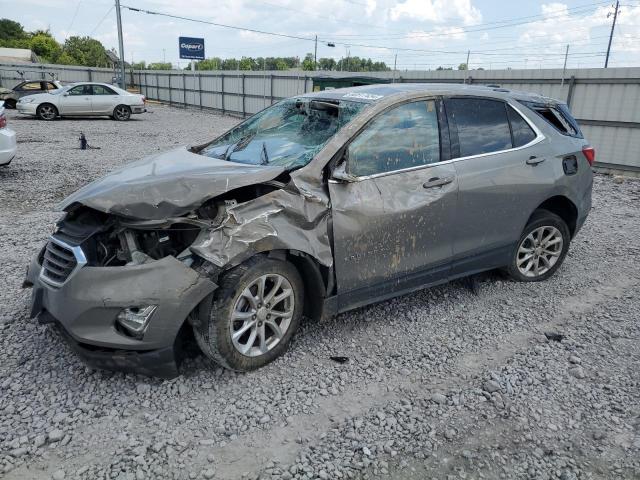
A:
[288,134]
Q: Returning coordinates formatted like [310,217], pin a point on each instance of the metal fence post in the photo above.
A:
[184,89]
[572,84]
[271,89]
[244,110]
[222,91]
[90,76]
[200,89]
[157,86]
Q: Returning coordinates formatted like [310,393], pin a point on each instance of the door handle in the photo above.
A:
[437,182]
[533,160]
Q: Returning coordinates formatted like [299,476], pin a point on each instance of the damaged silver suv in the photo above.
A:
[317,205]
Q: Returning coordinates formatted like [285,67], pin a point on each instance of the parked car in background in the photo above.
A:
[319,204]
[8,146]
[30,87]
[83,99]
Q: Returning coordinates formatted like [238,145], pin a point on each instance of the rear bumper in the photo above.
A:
[138,109]
[86,307]
[8,145]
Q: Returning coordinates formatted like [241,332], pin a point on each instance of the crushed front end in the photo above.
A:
[119,290]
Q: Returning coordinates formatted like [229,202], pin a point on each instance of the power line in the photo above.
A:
[501,23]
[102,20]
[308,39]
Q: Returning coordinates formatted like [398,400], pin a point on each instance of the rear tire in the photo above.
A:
[46,111]
[541,249]
[254,314]
[121,113]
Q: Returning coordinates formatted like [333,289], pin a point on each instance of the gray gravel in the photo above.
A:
[439,384]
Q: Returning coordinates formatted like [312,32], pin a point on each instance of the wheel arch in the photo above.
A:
[563,207]
[316,278]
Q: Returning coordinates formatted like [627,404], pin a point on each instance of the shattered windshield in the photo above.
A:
[288,134]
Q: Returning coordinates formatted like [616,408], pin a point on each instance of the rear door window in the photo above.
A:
[482,125]
[101,90]
[31,86]
[521,130]
[404,137]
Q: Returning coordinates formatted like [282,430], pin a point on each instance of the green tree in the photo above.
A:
[139,65]
[462,66]
[45,46]
[10,30]
[307,63]
[86,51]
[160,66]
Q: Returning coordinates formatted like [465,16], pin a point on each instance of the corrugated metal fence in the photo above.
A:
[606,102]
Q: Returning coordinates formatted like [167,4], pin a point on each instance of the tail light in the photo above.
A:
[589,154]
[3,121]
[144,99]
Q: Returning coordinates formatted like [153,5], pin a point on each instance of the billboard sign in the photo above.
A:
[191,48]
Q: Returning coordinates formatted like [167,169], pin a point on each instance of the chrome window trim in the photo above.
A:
[81,261]
[539,137]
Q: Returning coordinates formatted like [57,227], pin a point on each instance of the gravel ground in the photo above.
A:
[443,383]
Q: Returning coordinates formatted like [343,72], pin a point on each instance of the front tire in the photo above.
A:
[541,249]
[122,113]
[46,111]
[255,312]
[10,103]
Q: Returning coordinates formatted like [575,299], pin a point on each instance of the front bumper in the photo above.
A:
[86,306]
[27,108]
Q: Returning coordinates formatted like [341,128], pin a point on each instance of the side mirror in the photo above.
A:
[340,173]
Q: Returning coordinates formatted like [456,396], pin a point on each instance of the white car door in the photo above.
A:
[77,101]
[104,100]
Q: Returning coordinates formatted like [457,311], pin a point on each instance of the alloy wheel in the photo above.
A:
[539,251]
[262,314]
[121,113]
[47,112]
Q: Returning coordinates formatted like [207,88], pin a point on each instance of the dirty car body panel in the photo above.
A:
[156,235]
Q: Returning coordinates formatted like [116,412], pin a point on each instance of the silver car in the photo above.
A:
[317,205]
[83,99]
[28,87]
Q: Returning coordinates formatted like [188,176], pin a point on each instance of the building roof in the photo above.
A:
[17,55]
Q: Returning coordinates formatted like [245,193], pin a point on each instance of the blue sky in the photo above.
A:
[423,33]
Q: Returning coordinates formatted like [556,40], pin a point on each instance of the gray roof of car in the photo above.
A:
[376,92]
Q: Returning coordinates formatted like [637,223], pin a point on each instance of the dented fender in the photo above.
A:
[292,218]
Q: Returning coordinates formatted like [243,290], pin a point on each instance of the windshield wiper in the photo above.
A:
[264,156]
[239,145]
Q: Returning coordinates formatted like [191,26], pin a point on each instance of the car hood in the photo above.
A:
[167,185]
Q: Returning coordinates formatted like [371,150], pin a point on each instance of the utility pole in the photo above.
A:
[468,53]
[315,54]
[164,56]
[123,82]
[564,68]
[613,25]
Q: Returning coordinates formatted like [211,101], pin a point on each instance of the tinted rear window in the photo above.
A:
[482,125]
[522,132]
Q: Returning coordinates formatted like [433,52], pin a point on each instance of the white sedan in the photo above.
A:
[8,145]
[83,99]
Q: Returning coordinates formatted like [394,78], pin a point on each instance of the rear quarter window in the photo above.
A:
[558,116]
